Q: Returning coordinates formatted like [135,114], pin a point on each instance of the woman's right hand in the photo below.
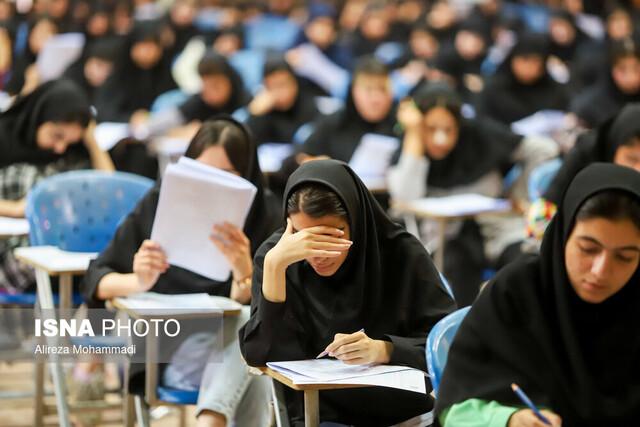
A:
[148,264]
[527,418]
[409,115]
[320,241]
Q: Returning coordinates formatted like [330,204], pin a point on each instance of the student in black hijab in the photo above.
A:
[443,154]
[283,106]
[559,324]
[621,86]
[369,108]
[222,93]
[616,141]
[522,86]
[338,266]
[95,66]
[133,263]
[142,74]
[40,136]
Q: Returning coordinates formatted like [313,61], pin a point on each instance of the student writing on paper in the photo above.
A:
[617,141]
[132,263]
[445,154]
[560,324]
[43,133]
[340,265]
[284,104]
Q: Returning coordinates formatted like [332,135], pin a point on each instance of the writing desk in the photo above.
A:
[311,397]
[420,208]
[52,261]
[13,227]
[227,307]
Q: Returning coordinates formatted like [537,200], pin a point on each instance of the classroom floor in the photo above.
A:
[16,402]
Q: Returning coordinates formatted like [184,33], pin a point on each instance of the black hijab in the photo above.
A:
[507,100]
[262,220]
[53,101]
[482,147]
[597,145]
[130,88]
[529,327]
[195,108]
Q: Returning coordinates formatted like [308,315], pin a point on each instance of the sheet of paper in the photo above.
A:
[13,226]
[543,123]
[332,371]
[151,302]
[193,198]
[272,154]
[108,134]
[461,204]
[60,51]
[373,156]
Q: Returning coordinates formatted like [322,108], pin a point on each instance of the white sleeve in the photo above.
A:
[185,66]
[407,180]
[532,151]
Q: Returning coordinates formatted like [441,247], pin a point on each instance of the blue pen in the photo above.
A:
[324,353]
[525,399]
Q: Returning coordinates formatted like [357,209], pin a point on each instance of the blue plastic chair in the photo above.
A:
[249,64]
[540,178]
[271,32]
[79,211]
[447,286]
[439,342]
[390,51]
[172,98]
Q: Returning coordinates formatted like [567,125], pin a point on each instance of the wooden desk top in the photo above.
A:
[12,227]
[302,387]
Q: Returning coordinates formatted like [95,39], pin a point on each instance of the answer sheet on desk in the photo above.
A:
[332,371]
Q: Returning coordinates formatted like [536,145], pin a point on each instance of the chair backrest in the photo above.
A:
[438,344]
[249,64]
[540,178]
[80,210]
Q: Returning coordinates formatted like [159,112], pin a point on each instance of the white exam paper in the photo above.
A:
[372,157]
[13,226]
[461,204]
[193,198]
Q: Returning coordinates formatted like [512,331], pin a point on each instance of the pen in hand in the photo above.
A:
[324,353]
[525,399]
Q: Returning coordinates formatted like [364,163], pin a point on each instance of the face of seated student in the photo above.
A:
[324,266]
[629,154]
[561,31]
[469,44]
[216,90]
[619,25]
[321,32]
[146,54]
[98,24]
[440,133]
[626,74]
[227,43]
[528,68]
[57,137]
[423,44]
[216,156]
[375,25]
[372,96]
[96,70]
[40,34]
[284,89]
[601,256]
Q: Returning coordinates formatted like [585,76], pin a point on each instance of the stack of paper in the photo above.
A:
[544,122]
[459,205]
[108,134]
[193,198]
[372,158]
[332,371]
[152,302]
